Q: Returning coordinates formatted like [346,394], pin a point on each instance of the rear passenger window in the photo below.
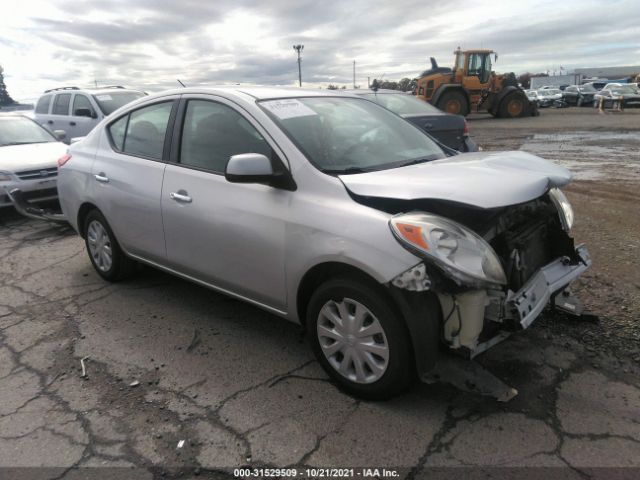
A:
[43,104]
[213,132]
[146,131]
[61,104]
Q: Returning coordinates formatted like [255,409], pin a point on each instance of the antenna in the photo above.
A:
[183,85]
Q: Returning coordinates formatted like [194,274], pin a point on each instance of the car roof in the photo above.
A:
[94,91]
[255,92]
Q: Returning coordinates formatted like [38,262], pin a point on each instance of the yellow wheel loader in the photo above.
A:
[472,85]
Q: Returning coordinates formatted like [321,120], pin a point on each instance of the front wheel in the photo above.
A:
[454,102]
[359,339]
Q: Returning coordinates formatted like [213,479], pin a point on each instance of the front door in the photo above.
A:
[225,234]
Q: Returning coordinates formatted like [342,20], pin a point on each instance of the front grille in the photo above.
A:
[37,174]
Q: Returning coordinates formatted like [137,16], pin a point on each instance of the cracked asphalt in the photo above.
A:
[168,361]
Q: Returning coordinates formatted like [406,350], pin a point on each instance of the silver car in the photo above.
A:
[332,212]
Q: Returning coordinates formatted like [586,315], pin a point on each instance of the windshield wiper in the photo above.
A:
[347,170]
[415,161]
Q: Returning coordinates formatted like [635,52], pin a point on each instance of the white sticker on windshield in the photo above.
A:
[104,98]
[288,108]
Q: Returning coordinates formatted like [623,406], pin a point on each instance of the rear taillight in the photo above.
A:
[63,159]
[466,128]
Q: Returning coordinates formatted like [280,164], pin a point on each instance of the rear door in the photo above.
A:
[226,234]
[127,175]
[59,118]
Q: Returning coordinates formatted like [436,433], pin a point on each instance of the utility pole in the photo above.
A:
[354,74]
[299,48]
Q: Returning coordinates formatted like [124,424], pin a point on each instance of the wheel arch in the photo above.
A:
[83,211]
[420,311]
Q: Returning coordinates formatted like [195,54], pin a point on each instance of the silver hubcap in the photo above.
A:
[99,246]
[353,341]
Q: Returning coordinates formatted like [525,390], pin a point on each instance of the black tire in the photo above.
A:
[121,266]
[400,366]
[454,102]
[513,105]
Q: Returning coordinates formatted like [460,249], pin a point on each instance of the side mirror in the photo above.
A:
[84,112]
[60,134]
[257,168]
[249,168]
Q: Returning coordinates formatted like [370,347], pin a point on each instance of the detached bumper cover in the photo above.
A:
[531,299]
[20,203]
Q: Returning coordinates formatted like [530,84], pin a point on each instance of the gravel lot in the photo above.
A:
[240,387]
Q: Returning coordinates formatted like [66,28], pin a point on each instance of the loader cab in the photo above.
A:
[475,65]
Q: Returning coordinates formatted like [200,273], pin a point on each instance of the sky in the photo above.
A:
[149,44]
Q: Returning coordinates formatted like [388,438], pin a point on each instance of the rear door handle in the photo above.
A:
[428,126]
[50,122]
[180,197]
[101,177]
[73,124]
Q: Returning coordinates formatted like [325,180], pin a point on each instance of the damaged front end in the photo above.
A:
[493,270]
[29,210]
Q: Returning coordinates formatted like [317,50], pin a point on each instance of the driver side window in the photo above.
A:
[212,133]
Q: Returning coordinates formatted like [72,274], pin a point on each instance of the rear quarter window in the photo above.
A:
[43,104]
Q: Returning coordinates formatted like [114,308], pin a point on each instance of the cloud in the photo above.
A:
[150,43]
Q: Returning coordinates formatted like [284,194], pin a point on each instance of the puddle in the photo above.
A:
[591,155]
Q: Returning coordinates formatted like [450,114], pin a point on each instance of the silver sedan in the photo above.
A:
[332,212]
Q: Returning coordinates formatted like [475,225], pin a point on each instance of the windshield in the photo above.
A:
[622,89]
[350,135]
[402,104]
[554,91]
[587,88]
[16,130]
[110,102]
[544,93]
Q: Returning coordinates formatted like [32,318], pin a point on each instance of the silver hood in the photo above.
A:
[482,179]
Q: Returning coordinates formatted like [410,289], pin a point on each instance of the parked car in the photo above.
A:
[597,85]
[547,97]
[614,93]
[579,95]
[330,211]
[451,130]
[28,156]
[532,95]
[78,111]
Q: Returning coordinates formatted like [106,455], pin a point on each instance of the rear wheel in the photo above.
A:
[513,105]
[104,251]
[359,339]
[454,102]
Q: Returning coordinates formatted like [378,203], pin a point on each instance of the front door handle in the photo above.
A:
[101,177]
[73,124]
[428,126]
[181,196]
[50,122]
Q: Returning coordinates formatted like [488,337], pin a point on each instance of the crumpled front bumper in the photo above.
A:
[531,299]
[16,197]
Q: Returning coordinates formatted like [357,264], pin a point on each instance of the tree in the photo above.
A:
[5,98]
[331,86]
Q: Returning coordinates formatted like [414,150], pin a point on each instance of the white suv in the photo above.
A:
[77,111]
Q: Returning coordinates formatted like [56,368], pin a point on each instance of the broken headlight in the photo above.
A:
[463,254]
[564,208]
